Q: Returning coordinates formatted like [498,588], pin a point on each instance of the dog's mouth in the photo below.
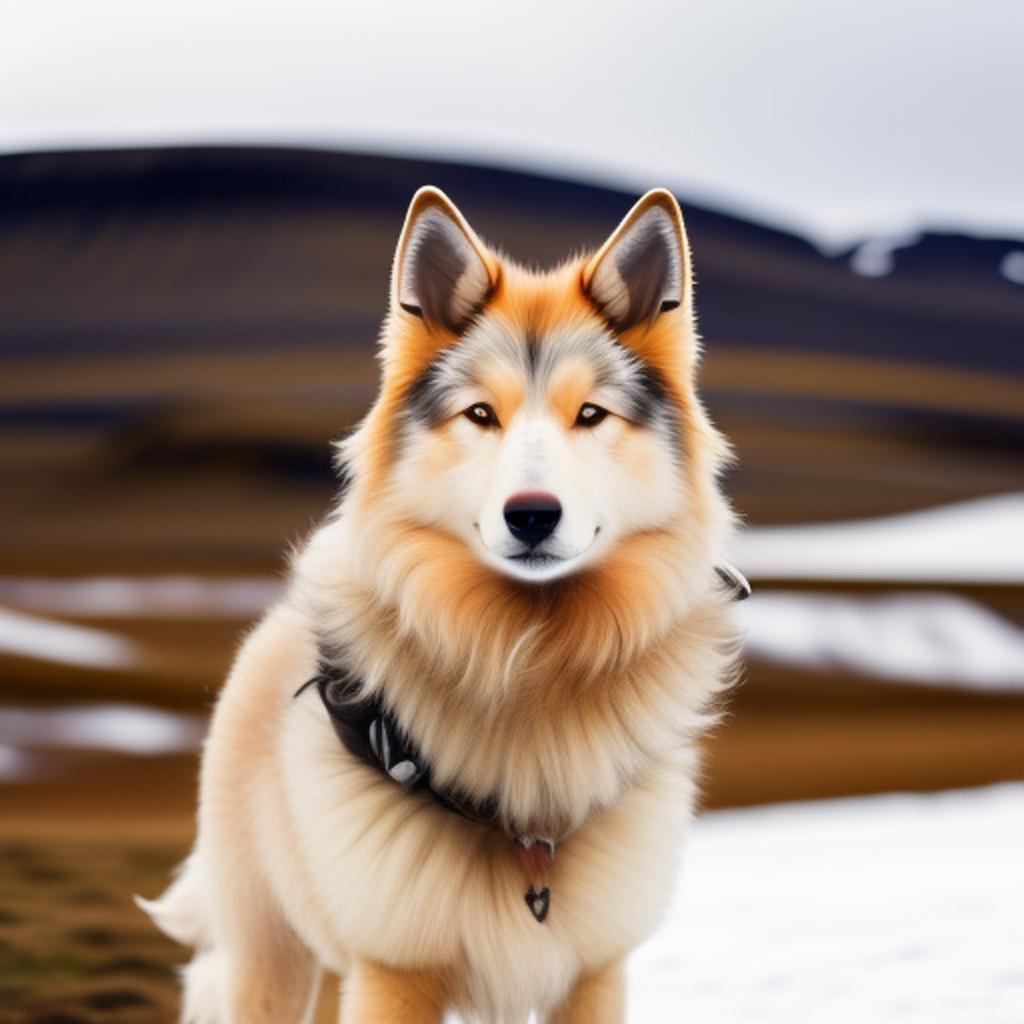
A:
[537,558]
[539,564]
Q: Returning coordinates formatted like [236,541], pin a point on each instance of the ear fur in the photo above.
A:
[442,272]
[643,269]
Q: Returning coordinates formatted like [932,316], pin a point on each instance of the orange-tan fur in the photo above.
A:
[577,702]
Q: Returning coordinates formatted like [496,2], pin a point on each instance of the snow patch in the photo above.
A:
[876,256]
[139,597]
[118,728]
[980,541]
[15,764]
[1012,266]
[28,636]
[927,638]
[893,908]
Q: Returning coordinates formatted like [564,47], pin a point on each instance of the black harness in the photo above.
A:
[369,731]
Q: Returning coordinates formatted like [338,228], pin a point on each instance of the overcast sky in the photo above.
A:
[839,118]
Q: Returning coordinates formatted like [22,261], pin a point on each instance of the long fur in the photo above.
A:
[578,703]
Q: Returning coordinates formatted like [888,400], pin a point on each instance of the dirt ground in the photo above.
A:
[74,949]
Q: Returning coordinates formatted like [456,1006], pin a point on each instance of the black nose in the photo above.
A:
[532,516]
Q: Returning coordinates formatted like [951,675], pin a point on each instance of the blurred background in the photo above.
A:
[198,207]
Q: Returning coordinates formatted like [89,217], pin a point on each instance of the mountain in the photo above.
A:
[181,331]
[295,215]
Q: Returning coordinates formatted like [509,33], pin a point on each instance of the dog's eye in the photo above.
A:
[482,415]
[590,415]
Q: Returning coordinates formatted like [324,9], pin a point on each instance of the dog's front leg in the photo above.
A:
[374,994]
[597,998]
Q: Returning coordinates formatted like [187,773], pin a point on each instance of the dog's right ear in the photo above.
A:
[442,274]
[643,270]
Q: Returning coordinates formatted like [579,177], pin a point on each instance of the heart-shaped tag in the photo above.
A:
[538,902]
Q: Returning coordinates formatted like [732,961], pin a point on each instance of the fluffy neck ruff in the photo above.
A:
[551,698]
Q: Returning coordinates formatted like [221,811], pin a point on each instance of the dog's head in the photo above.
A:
[538,428]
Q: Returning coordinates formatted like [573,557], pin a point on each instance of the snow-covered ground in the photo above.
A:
[29,636]
[118,728]
[978,541]
[911,637]
[898,908]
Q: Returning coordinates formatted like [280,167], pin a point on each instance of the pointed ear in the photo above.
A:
[643,270]
[442,272]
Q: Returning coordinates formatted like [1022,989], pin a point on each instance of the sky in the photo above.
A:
[841,120]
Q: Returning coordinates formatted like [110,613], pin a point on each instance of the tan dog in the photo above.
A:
[513,632]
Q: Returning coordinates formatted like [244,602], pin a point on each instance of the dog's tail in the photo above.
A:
[179,913]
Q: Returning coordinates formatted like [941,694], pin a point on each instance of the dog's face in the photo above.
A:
[538,420]
[539,450]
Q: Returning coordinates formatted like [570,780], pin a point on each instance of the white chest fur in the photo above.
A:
[403,880]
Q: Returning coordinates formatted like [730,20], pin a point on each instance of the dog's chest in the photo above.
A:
[399,878]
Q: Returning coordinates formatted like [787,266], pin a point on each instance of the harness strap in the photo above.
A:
[370,732]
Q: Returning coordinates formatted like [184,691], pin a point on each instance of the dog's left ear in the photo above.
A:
[443,273]
[643,270]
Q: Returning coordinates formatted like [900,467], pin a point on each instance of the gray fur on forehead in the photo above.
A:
[536,356]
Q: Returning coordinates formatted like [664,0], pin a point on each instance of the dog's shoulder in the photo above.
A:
[276,656]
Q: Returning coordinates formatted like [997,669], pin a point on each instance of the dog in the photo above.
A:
[454,765]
